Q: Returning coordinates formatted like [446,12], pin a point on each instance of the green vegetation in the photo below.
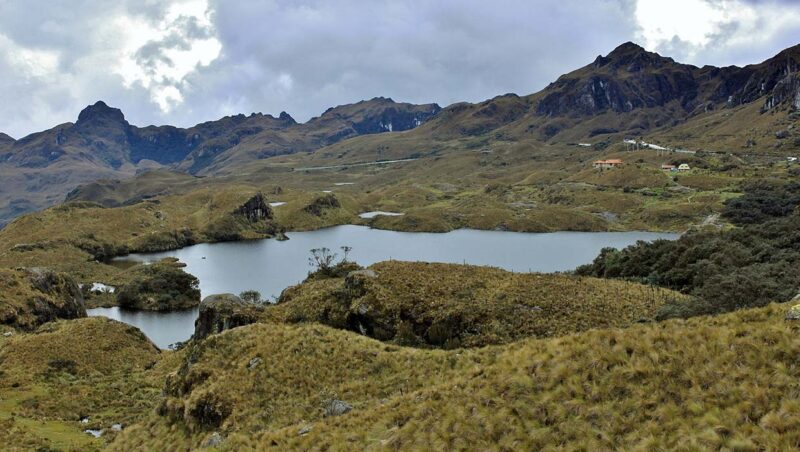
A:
[31,297]
[725,270]
[162,286]
[98,369]
[451,306]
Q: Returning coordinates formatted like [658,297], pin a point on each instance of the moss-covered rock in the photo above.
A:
[30,297]
[222,312]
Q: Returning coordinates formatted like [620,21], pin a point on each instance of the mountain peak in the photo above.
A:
[633,56]
[627,48]
[100,111]
[286,117]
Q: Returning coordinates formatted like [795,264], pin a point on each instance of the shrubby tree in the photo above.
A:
[251,296]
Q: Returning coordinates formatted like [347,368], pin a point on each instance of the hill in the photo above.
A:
[70,376]
[707,383]
[38,170]
[450,306]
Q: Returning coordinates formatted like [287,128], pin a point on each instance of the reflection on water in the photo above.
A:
[163,328]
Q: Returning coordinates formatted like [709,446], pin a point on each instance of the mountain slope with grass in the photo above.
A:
[707,383]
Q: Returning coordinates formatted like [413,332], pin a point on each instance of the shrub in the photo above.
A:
[162,286]
[726,270]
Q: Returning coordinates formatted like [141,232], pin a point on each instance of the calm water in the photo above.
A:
[269,266]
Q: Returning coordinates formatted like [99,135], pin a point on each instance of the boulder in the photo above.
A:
[355,281]
[222,312]
[336,407]
[214,440]
[794,312]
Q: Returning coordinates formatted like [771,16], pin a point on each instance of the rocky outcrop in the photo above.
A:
[30,297]
[223,312]
[255,209]
[786,92]
[631,78]
[794,312]
[322,203]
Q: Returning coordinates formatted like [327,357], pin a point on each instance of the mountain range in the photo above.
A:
[629,92]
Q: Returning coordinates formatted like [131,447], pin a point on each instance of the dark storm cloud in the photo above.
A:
[304,56]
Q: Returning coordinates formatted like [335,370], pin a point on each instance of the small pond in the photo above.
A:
[269,266]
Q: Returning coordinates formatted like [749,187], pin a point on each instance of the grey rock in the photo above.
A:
[116,427]
[793,313]
[215,440]
[254,362]
[304,430]
[336,407]
[367,273]
[223,312]
[8,334]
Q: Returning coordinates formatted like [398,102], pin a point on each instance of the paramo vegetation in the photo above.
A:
[747,266]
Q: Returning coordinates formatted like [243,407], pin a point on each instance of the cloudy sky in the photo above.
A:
[186,61]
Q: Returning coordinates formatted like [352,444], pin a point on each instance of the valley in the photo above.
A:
[520,273]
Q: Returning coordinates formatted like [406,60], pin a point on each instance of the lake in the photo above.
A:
[269,266]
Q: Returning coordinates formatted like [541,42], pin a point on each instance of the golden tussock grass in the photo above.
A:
[722,383]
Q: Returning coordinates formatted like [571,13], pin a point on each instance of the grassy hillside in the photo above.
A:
[93,368]
[708,383]
[450,306]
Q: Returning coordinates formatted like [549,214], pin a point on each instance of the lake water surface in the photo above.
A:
[269,266]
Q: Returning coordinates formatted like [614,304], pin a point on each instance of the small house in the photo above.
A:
[607,164]
[684,167]
[669,168]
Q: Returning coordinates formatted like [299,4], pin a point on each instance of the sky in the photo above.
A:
[182,62]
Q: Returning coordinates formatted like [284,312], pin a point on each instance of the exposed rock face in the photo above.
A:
[631,78]
[223,312]
[255,209]
[787,91]
[66,300]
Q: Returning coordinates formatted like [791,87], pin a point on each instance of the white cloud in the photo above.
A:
[185,61]
[159,56]
[692,21]
[28,62]
[719,32]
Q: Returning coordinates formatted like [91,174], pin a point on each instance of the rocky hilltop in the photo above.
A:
[632,78]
